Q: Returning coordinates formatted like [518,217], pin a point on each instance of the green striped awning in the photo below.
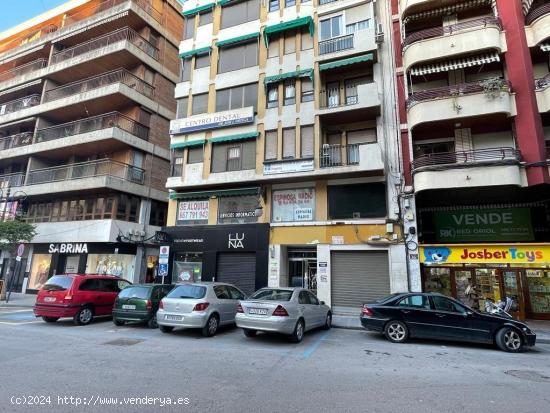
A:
[238,39]
[345,62]
[226,2]
[289,75]
[198,9]
[195,52]
[188,144]
[306,21]
[218,193]
[236,137]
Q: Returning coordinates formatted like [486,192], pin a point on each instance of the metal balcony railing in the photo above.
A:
[336,44]
[19,104]
[452,29]
[467,157]
[537,12]
[339,155]
[453,91]
[23,69]
[543,82]
[11,180]
[102,167]
[28,38]
[122,35]
[118,76]
[108,120]
[322,2]
[16,140]
[331,97]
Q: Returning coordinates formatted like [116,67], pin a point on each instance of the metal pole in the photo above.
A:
[13,278]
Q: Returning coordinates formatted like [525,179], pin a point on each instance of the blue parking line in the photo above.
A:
[308,353]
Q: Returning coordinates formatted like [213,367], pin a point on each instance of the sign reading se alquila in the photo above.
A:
[476,225]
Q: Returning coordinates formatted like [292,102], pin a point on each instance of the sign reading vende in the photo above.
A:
[207,121]
[483,254]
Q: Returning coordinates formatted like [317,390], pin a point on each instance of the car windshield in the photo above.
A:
[188,291]
[58,283]
[135,292]
[271,294]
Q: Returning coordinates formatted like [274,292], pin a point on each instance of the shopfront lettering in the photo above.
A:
[511,253]
[236,240]
[488,218]
[68,248]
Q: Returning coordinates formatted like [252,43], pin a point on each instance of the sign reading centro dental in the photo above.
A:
[480,225]
[207,121]
[483,254]
[293,205]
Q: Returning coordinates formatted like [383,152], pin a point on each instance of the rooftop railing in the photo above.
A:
[23,69]
[467,157]
[19,104]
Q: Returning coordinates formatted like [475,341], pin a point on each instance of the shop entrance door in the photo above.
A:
[302,268]
[463,285]
[513,288]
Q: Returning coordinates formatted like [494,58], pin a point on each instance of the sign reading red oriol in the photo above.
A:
[483,254]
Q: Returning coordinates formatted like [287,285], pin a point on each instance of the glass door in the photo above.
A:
[464,284]
[488,281]
[512,289]
[538,281]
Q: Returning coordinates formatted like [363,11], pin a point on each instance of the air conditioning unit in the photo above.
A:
[379,34]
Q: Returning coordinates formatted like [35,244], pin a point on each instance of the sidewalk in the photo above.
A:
[19,300]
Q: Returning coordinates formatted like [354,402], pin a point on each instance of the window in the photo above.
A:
[183,103]
[235,293]
[360,136]
[177,163]
[307,90]
[290,92]
[195,155]
[234,155]
[189,28]
[234,158]
[361,25]
[306,140]
[192,212]
[290,42]
[205,17]
[303,298]
[273,96]
[290,3]
[202,61]
[289,143]
[271,294]
[221,292]
[200,104]
[273,5]
[90,285]
[273,48]
[238,57]
[445,304]
[306,40]
[241,12]
[237,209]
[237,97]
[331,27]
[312,299]
[187,291]
[418,301]
[271,145]
[293,205]
[357,201]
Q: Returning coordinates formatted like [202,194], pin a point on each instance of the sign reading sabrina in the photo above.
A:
[294,205]
[193,212]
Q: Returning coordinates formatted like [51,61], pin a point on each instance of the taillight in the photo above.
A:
[367,311]
[240,309]
[149,305]
[280,311]
[161,305]
[201,306]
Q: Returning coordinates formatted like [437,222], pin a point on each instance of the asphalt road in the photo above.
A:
[330,371]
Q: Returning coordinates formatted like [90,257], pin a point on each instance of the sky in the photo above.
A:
[17,11]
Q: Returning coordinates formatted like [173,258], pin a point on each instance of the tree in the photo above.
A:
[14,232]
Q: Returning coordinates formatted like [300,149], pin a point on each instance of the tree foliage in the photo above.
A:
[15,232]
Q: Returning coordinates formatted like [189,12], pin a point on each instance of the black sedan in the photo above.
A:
[435,316]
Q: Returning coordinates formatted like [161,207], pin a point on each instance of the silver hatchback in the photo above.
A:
[290,311]
[199,305]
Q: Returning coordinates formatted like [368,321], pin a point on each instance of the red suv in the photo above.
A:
[78,296]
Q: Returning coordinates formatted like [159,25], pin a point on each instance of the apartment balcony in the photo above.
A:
[356,157]
[538,22]
[542,89]
[461,101]
[467,169]
[15,141]
[349,101]
[361,41]
[22,70]
[12,180]
[465,38]
[19,104]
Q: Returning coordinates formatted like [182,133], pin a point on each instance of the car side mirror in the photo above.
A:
[322,303]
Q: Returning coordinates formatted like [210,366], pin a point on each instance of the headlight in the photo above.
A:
[526,330]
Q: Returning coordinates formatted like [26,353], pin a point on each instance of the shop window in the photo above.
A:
[437,280]
[192,212]
[119,265]
[357,201]
[187,267]
[237,209]
[40,268]
[293,205]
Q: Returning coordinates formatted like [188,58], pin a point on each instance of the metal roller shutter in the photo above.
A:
[238,269]
[358,277]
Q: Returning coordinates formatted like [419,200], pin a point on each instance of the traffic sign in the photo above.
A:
[164,254]
[20,250]
[163,270]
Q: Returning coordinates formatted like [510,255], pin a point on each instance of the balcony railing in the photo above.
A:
[452,29]
[543,82]
[109,120]
[455,91]
[102,167]
[125,34]
[322,2]
[336,44]
[117,76]
[19,104]
[537,12]
[467,157]
[28,39]
[331,97]
[23,69]
[11,180]
[339,155]
[16,140]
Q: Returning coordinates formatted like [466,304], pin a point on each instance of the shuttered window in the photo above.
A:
[361,136]
[289,143]
[271,145]
[200,104]
[186,66]
[194,154]
[238,57]
[273,48]
[242,12]
[307,145]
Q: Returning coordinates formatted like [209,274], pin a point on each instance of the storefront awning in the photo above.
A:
[455,64]
[196,10]
[450,9]
[188,144]
[215,193]
[195,52]
[274,29]
[545,47]
[236,137]
[239,39]
[226,2]
[345,62]
[289,75]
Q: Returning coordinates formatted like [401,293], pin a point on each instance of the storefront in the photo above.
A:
[518,271]
[237,254]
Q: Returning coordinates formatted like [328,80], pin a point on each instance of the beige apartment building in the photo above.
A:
[285,164]
[86,97]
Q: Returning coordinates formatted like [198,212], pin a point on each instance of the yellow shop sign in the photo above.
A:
[497,254]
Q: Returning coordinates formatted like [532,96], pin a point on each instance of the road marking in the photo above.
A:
[15,311]
[307,354]
[18,323]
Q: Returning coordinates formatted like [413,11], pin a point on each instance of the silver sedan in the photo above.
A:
[199,305]
[290,311]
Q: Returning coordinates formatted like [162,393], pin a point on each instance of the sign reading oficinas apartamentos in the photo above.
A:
[207,121]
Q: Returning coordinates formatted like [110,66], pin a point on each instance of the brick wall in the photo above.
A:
[159,131]
[164,92]
[157,171]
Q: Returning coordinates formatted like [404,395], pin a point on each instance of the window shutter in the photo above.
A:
[289,143]
[307,141]
[271,145]
[361,136]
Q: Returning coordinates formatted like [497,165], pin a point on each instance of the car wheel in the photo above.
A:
[50,319]
[509,339]
[84,316]
[152,323]
[298,333]
[396,331]
[328,322]
[166,329]
[211,326]
[118,322]
[249,333]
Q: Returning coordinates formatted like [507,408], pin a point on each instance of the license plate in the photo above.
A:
[49,299]
[173,317]
[258,311]
[128,307]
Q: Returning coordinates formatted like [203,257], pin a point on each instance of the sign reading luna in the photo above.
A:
[480,225]
[207,121]
[483,254]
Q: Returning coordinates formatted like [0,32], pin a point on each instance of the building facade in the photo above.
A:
[473,91]
[86,97]
[285,135]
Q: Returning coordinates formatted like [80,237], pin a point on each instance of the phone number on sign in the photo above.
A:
[95,400]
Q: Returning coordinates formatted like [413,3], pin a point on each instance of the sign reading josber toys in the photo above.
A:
[294,205]
[480,225]
[207,121]
[483,254]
